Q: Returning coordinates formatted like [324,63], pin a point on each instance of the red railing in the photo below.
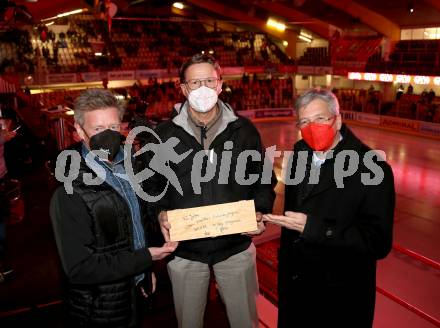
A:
[398,248]
[417,256]
[425,260]
[410,307]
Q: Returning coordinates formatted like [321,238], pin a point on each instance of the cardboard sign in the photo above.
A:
[212,220]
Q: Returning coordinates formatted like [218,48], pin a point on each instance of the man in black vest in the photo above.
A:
[99,222]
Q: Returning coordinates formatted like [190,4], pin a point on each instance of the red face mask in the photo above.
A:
[319,136]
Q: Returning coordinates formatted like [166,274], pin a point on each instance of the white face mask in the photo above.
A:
[203,99]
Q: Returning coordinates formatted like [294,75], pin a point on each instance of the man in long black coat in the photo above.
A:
[337,223]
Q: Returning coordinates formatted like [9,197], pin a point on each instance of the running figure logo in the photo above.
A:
[164,154]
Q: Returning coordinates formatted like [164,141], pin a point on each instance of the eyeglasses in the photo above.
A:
[210,82]
[320,119]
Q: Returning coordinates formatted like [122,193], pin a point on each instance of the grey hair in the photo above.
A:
[317,93]
[93,99]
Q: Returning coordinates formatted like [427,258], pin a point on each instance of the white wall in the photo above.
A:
[344,83]
[366,85]
[341,82]
[319,81]
[302,85]
[58,28]
[312,81]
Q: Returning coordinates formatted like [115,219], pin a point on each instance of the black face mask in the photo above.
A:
[106,144]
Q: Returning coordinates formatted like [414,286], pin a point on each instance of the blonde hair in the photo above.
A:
[93,99]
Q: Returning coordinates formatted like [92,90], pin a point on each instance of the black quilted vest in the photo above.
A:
[111,304]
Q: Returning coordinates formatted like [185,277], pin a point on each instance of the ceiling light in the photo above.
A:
[73,12]
[285,43]
[410,7]
[178,5]
[76,11]
[277,25]
[302,37]
[308,36]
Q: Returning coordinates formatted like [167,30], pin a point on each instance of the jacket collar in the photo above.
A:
[119,158]
[228,119]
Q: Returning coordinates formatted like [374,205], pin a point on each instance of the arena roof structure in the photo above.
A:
[382,17]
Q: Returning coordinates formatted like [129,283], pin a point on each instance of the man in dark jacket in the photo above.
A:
[205,125]
[339,207]
[99,222]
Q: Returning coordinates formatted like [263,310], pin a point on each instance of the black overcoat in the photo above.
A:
[327,274]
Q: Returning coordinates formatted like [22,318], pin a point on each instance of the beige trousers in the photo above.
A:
[237,282]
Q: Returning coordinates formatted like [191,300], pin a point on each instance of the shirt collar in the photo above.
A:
[226,116]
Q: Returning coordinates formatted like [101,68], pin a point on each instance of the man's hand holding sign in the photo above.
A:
[211,221]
